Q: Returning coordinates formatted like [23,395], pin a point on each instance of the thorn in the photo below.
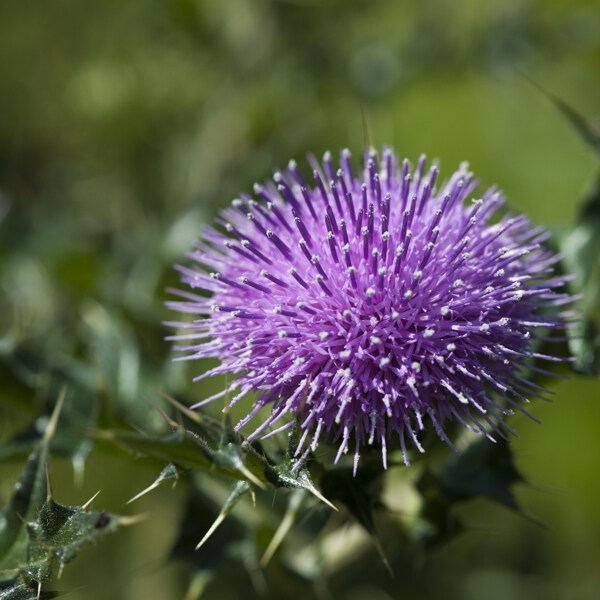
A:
[382,555]
[194,416]
[48,484]
[315,492]
[133,520]
[163,414]
[366,128]
[285,525]
[581,125]
[243,469]
[78,466]
[227,396]
[151,487]
[212,529]
[85,506]
[39,590]
[51,427]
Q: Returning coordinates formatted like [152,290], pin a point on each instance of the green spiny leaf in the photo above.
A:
[292,472]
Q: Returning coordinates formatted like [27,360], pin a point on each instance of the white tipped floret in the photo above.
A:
[370,292]
[418,274]
[323,335]
[428,333]
[499,273]
[485,327]
[330,235]
[384,361]
[503,322]
[292,164]
[347,313]
[457,283]
[364,230]
[292,270]
[315,259]
[277,309]
[319,278]
[282,334]
[376,340]
[385,236]
[346,248]
[415,366]
[451,347]
[395,314]
[299,361]
[245,243]
[444,310]
[408,294]
[345,353]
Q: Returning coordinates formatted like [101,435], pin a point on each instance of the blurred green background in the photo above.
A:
[126,124]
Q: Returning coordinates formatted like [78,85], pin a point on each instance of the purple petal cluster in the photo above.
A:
[371,304]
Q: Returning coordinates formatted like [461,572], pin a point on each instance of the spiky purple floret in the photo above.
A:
[372,304]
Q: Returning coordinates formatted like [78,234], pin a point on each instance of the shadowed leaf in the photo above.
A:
[484,469]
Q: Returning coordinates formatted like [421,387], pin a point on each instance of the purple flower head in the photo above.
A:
[372,304]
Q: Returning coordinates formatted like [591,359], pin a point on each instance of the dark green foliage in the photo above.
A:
[39,535]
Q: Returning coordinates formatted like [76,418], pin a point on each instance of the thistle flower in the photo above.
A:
[372,304]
